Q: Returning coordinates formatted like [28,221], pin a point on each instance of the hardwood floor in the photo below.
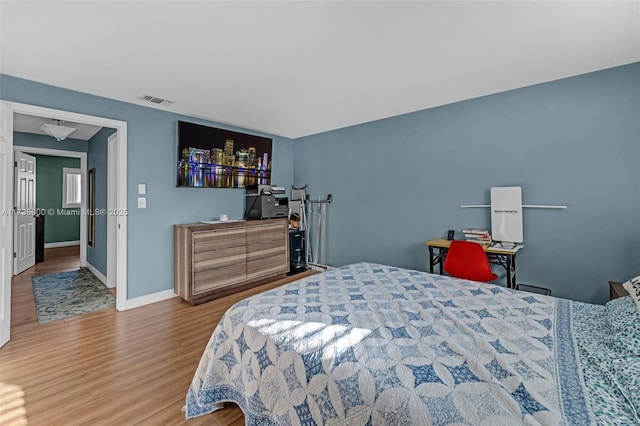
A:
[23,306]
[120,368]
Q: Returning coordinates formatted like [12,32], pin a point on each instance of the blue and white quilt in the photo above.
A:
[369,344]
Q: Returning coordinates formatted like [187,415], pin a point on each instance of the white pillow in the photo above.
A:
[633,287]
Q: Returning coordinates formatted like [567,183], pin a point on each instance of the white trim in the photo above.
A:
[6,221]
[97,273]
[62,244]
[50,151]
[83,166]
[121,205]
[121,179]
[150,298]
[112,221]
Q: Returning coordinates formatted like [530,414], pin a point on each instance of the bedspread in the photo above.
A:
[370,344]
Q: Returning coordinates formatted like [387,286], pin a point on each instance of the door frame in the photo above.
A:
[83,206]
[112,193]
[7,162]
[117,162]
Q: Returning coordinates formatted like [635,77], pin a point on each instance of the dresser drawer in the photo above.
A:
[214,241]
[267,265]
[265,237]
[222,275]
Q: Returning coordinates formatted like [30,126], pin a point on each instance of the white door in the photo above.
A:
[24,228]
[6,209]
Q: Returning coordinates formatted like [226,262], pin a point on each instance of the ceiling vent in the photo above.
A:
[154,100]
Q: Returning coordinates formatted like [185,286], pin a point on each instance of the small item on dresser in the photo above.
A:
[451,234]
[633,287]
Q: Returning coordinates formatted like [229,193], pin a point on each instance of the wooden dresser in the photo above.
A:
[215,260]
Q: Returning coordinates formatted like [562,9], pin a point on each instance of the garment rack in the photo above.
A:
[326,201]
[530,206]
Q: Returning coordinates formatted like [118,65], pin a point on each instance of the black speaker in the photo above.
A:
[297,252]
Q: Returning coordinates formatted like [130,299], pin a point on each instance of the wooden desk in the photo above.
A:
[497,255]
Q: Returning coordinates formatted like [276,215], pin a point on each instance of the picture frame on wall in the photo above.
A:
[209,157]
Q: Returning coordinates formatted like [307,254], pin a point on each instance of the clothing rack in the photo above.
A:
[319,201]
[316,238]
[530,206]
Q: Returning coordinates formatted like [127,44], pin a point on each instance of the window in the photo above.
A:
[71,188]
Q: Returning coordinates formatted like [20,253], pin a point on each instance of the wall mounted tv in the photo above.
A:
[209,157]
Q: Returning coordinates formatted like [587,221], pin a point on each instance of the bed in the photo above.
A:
[370,344]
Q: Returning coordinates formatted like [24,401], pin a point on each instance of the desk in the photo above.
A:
[497,255]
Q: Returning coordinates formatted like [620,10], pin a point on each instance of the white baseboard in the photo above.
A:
[62,244]
[136,302]
[97,273]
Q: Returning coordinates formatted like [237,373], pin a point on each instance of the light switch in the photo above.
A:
[142,188]
[142,202]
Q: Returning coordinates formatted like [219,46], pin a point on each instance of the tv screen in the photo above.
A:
[209,157]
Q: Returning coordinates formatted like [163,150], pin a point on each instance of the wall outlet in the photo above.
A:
[142,202]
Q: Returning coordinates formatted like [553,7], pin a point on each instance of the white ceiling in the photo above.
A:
[299,68]
[31,124]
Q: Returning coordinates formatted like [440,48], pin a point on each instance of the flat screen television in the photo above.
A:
[209,157]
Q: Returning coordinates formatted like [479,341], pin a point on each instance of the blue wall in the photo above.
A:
[152,154]
[58,227]
[46,142]
[97,159]
[398,182]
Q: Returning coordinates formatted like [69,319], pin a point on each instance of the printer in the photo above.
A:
[265,202]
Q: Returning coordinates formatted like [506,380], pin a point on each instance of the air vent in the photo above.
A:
[154,100]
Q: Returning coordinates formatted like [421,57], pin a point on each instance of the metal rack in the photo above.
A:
[530,206]
[316,243]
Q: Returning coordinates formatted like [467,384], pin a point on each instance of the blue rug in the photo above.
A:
[70,293]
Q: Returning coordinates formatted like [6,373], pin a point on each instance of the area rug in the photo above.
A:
[70,293]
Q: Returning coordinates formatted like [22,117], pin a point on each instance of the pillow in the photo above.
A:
[633,287]
[624,323]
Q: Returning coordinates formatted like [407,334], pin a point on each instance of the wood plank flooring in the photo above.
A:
[23,307]
[109,367]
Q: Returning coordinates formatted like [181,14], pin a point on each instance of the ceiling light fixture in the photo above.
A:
[57,131]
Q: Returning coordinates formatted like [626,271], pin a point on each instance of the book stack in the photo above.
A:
[480,236]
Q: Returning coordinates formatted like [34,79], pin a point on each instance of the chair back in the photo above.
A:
[467,260]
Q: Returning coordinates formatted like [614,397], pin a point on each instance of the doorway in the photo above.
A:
[117,161]
[81,157]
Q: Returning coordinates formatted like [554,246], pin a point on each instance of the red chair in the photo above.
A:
[466,259]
